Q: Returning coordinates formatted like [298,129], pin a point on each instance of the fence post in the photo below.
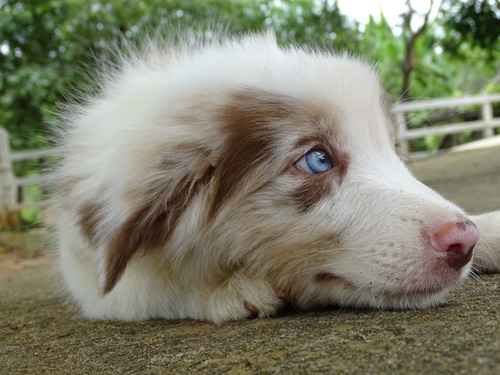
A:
[8,214]
[487,114]
[401,127]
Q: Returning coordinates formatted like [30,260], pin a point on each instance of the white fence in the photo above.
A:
[10,184]
[487,123]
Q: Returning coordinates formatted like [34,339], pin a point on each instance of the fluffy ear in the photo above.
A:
[118,234]
[487,250]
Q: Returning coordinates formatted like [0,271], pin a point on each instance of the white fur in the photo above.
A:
[160,117]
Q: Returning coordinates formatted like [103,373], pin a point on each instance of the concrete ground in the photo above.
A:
[39,334]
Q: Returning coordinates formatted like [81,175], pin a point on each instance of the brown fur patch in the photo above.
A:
[152,224]
[252,121]
[310,192]
[90,215]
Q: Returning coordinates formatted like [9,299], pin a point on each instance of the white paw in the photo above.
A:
[241,297]
[487,251]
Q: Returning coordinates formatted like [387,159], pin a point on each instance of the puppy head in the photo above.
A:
[243,156]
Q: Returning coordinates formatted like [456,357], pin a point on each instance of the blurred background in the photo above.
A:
[422,49]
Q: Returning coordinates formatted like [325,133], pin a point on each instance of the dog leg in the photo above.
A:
[487,251]
[241,297]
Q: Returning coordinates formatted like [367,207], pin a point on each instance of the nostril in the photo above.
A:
[455,249]
[456,240]
[458,259]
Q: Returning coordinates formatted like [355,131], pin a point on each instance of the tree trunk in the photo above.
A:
[409,36]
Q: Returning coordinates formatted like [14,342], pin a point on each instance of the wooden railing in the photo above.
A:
[487,123]
[11,185]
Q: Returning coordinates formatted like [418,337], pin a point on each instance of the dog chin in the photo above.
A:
[420,295]
[415,299]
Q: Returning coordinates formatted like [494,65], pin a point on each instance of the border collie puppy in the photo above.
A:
[221,180]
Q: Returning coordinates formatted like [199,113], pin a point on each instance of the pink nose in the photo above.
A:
[456,239]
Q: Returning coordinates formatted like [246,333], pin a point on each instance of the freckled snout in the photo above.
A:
[456,240]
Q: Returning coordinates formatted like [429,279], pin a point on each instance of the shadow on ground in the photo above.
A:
[39,334]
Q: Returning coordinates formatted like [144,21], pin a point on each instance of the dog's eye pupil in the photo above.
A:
[316,161]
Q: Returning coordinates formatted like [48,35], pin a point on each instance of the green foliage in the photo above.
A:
[45,46]
[471,23]
[383,47]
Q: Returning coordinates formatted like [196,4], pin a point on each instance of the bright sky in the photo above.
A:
[361,9]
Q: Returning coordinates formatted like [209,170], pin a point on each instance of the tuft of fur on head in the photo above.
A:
[179,193]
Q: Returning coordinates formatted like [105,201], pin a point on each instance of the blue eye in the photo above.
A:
[314,162]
